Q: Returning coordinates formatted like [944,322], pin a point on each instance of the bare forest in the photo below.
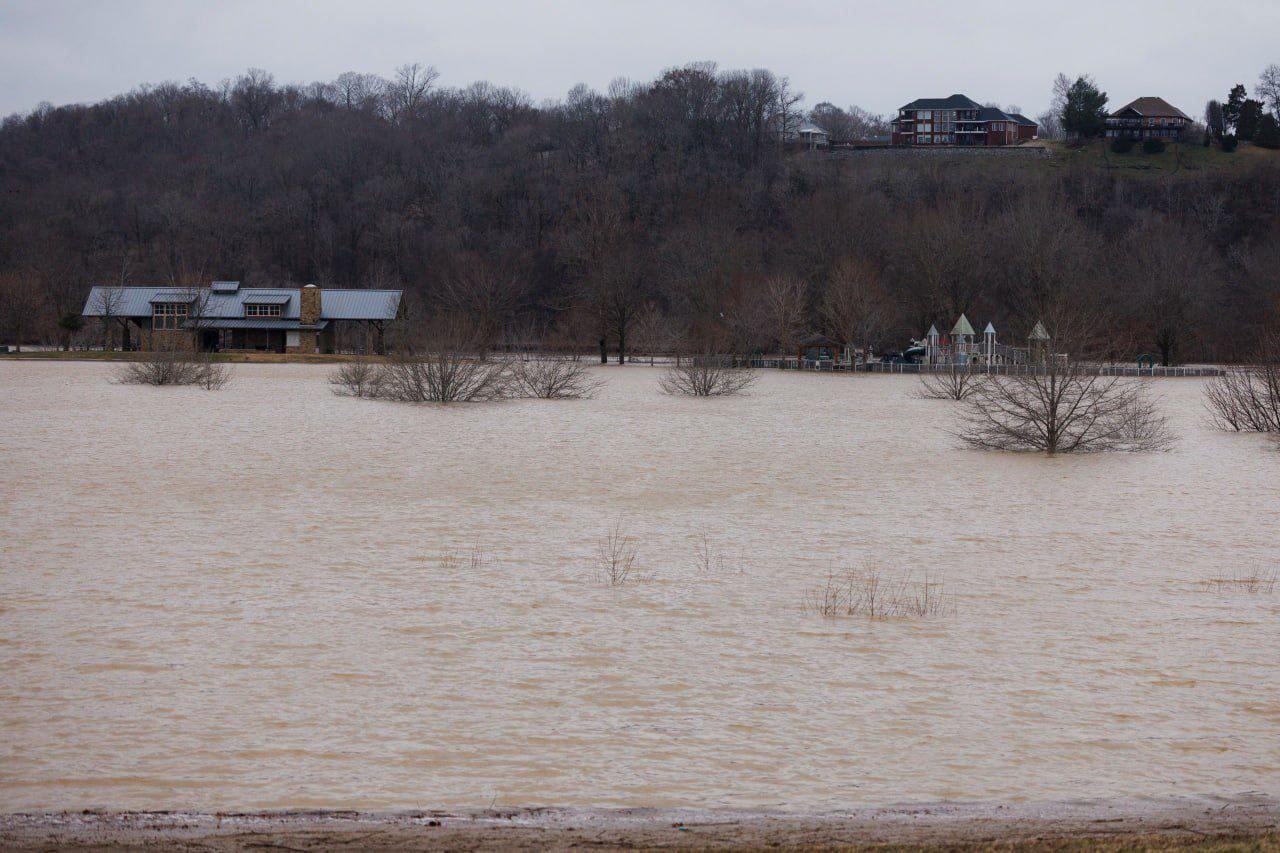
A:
[659,216]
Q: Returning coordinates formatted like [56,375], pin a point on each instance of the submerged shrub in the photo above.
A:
[174,367]
[1248,399]
[616,558]
[959,382]
[357,379]
[555,379]
[871,593]
[707,376]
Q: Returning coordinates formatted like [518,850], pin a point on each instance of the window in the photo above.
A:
[252,310]
[924,114]
[168,315]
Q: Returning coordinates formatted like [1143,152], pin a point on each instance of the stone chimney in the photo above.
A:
[309,305]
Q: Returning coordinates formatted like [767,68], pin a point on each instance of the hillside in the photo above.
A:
[658,214]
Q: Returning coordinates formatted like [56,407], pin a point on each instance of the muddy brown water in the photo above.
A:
[266,597]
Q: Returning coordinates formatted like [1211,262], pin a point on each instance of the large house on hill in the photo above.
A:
[958,120]
[1147,118]
[226,317]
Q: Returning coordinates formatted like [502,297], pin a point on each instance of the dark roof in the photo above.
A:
[994,114]
[955,102]
[1023,120]
[1152,107]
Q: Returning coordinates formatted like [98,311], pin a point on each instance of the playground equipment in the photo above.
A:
[963,347]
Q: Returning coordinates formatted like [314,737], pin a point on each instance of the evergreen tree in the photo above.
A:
[1085,112]
[1231,109]
[1268,134]
[1247,123]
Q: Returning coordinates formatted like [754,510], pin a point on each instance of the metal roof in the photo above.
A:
[962,326]
[225,286]
[359,304]
[258,323]
[335,304]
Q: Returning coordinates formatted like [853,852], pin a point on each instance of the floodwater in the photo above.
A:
[271,597]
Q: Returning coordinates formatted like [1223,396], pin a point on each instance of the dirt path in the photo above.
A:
[1243,823]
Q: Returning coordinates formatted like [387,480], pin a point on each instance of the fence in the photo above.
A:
[998,369]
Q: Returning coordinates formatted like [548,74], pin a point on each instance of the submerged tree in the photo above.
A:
[956,382]
[707,375]
[1248,399]
[1064,403]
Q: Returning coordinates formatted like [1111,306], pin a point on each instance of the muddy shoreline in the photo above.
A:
[1250,820]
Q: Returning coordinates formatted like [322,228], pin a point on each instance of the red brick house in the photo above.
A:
[957,120]
[1147,118]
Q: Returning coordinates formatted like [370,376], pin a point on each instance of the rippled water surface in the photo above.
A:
[271,597]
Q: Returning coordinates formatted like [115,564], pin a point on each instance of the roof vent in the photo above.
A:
[225,286]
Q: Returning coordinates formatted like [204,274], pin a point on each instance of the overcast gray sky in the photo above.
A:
[874,53]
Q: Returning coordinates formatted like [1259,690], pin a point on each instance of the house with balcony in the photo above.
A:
[225,317]
[1147,118]
[957,120]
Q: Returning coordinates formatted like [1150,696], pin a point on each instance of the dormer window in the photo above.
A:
[252,309]
[169,315]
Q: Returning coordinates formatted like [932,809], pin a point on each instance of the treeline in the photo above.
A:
[659,215]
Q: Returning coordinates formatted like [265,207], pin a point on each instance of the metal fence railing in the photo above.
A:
[825,366]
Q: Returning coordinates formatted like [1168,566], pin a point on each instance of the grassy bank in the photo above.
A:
[1177,157]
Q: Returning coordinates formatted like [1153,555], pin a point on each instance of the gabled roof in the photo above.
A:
[1153,107]
[1038,333]
[932,333]
[962,327]
[989,330]
[809,127]
[335,304]
[954,102]
[994,114]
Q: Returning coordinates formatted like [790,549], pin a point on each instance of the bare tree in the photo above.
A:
[1248,399]
[956,382]
[786,302]
[1268,88]
[707,375]
[407,94]
[616,557]
[1064,408]
[174,365]
[555,379]
[1063,404]
[358,379]
[106,305]
[442,366]
[20,301]
[854,304]
[487,294]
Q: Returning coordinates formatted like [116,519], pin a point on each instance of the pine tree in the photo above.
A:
[1085,112]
